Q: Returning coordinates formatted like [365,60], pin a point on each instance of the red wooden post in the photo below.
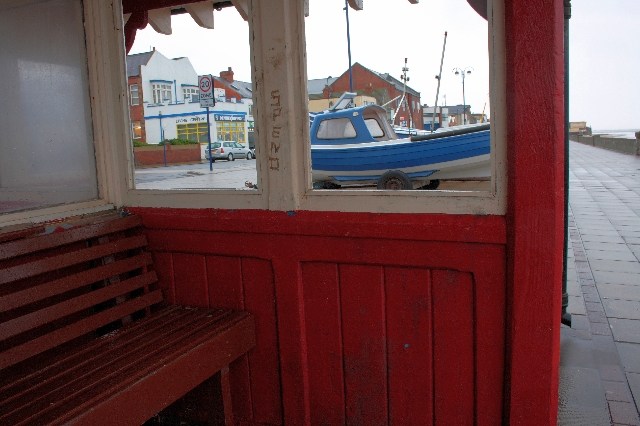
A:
[534,35]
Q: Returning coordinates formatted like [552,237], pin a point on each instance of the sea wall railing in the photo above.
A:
[623,145]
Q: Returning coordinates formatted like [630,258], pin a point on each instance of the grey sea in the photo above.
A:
[619,133]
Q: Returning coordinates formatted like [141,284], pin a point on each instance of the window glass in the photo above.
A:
[191,94]
[137,129]
[374,127]
[135,100]
[193,132]
[398,83]
[166,69]
[46,138]
[336,128]
[161,93]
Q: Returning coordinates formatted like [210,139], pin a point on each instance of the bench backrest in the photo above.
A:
[72,285]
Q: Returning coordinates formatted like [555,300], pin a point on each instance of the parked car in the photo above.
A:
[228,151]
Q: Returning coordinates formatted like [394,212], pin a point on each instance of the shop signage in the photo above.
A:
[225,117]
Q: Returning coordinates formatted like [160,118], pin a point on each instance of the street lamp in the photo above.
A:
[346,9]
[463,72]
[328,93]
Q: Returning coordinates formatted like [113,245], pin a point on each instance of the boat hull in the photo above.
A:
[456,157]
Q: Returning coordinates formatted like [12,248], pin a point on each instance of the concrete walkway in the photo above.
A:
[600,358]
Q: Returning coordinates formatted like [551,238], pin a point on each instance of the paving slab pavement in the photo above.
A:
[600,353]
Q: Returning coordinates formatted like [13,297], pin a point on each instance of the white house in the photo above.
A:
[164,102]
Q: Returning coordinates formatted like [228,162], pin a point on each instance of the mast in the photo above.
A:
[439,77]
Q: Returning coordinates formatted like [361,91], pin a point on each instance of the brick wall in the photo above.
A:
[154,154]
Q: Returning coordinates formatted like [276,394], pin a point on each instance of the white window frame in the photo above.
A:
[159,90]
[137,92]
[282,141]
[133,129]
[189,92]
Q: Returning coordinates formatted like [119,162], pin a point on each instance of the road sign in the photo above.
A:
[205,86]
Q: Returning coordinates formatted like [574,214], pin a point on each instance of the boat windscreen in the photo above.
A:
[374,127]
[336,128]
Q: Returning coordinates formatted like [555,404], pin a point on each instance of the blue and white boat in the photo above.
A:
[357,146]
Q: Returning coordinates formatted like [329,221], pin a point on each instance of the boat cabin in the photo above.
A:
[371,307]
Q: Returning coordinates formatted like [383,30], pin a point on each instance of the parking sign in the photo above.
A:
[205,86]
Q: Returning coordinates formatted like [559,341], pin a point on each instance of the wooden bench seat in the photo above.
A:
[84,339]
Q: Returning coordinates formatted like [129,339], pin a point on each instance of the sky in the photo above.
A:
[604,55]
[604,50]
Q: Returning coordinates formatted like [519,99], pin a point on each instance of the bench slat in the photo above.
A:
[59,363]
[20,353]
[62,285]
[52,313]
[203,361]
[192,361]
[118,357]
[32,245]
[53,263]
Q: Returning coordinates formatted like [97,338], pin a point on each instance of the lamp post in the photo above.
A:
[463,73]
[328,93]
[346,8]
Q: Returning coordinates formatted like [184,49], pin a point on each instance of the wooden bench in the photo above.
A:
[85,340]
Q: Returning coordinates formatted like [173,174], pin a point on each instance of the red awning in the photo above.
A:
[479,6]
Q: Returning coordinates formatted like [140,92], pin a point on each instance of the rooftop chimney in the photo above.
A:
[228,75]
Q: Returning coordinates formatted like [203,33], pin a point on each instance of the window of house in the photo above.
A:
[191,94]
[193,132]
[135,99]
[230,131]
[136,127]
[162,93]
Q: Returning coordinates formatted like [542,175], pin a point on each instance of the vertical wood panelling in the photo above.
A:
[364,340]
[453,332]
[324,343]
[490,310]
[408,294]
[257,276]
[350,332]
[189,272]
[224,277]
[163,265]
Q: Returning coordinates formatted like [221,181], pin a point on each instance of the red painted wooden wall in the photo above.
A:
[398,323]
[367,319]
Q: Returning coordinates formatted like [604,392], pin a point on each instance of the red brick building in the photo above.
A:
[134,83]
[384,88]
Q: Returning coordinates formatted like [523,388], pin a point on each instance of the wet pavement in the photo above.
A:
[235,174]
[600,353]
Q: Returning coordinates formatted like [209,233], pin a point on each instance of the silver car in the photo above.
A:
[228,151]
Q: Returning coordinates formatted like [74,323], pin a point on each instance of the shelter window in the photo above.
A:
[374,127]
[336,128]
[52,162]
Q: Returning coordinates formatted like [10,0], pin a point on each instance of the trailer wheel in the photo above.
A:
[395,180]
